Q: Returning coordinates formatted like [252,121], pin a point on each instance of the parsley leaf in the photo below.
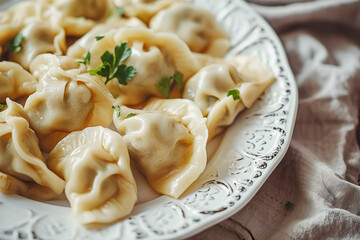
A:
[179,80]
[125,73]
[235,94]
[112,67]
[122,52]
[119,11]
[86,59]
[164,86]
[14,45]
[99,38]
[1,106]
[117,110]
[165,83]
[289,205]
[130,115]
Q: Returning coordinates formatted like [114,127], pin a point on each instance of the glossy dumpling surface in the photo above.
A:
[82,45]
[154,56]
[65,101]
[167,142]
[22,167]
[210,86]
[15,81]
[24,13]
[143,9]
[39,37]
[257,77]
[196,26]
[95,165]
[91,9]
[21,14]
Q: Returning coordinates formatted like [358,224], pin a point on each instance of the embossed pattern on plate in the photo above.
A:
[250,150]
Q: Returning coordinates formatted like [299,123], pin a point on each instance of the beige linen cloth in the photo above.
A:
[320,174]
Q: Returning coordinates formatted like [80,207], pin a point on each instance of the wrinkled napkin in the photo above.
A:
[314,193]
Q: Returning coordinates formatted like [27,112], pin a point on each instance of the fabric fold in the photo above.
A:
[320,173]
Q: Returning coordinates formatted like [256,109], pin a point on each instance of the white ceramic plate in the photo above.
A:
[247,154]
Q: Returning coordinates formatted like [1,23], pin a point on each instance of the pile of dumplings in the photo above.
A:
[53,107]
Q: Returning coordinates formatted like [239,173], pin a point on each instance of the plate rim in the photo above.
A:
[207,223]
[294,109]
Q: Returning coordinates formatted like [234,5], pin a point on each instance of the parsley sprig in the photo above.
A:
[234,93]
[2,106]
[130,115]
[97,38]
[112,66]
[14,45]
[166,83]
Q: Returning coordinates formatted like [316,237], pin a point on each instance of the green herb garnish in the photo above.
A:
[99,38]
[179,80]
[1,106]
[289,205]
[235,94]
[117,110]
[86,59]
[112,67]
[130,115]
[14,45]
[165,84]
[119,11]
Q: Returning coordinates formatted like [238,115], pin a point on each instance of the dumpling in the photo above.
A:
[24,13]
[15,18]
[204,60]
[65,101]
[91,9]
[95,165]
[27,12]
[12,109]
[15,81]
[39,37]
[143,9]
[257,77]
[22,167]
[196,26]
[81,46]
[167,141]
[209,89]
[154,56]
